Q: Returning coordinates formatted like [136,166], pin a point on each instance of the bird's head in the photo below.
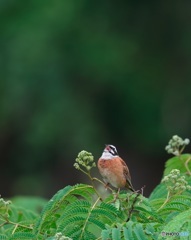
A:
[110,151]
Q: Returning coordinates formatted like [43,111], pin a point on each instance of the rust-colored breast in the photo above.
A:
[112,171]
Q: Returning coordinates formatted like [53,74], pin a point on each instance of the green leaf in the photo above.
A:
[2,236]
[116,234]
[64,203]
[34,204]
[179,223]
[139,233]
[21,235]
[159,192]
[105,234]
[128,230]
[177,162]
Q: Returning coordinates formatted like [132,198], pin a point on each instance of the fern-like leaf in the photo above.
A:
[55,208]
[159,192]
[97,222]
[2,237]
[89,220]
[116,233]
[175,204]
[131,230]
[128,232]
[179,223]
[139,232]
[107,212]
[20,235]
[157,203]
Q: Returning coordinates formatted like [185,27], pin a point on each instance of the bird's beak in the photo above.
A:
[107,146]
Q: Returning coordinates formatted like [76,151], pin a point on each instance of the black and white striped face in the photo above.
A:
[109,152]
[111,149]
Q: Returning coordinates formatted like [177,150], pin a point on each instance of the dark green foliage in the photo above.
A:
[75,212]
[79,213]
[78,218]
[67,66]
[62,209]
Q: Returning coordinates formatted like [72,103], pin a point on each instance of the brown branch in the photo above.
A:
[138,192]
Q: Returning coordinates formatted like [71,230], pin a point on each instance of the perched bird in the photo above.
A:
[113,169]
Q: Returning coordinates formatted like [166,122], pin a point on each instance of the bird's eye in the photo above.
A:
[113,150]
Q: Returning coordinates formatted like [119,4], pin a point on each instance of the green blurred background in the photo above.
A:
[78,74]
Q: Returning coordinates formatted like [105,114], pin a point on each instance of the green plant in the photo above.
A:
[81,212]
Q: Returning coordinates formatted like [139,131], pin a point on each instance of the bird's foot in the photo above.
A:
[116,195]
[106,186]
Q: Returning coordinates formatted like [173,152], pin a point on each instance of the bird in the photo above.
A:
[113,169]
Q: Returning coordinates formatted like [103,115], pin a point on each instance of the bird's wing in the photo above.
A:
[126,170]
[127,175]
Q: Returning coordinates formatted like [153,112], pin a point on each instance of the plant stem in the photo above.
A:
[186,166]
[89,214]
[92,179]
[165,202]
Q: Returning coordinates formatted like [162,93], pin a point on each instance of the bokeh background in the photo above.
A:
[78,74]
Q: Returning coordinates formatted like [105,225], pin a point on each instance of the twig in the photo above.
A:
[139,192]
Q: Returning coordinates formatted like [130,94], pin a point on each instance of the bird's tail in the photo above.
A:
[130,186]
